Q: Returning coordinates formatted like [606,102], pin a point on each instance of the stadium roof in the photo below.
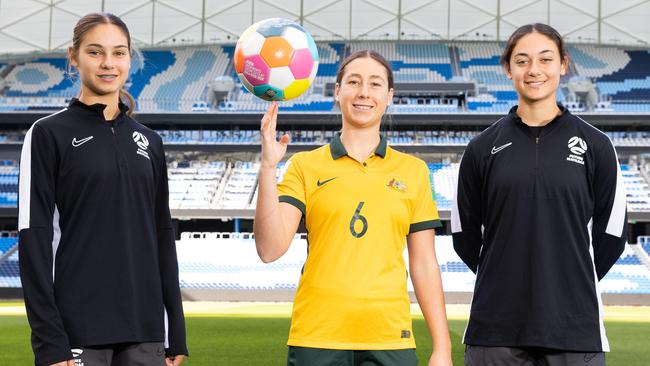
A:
[46,25]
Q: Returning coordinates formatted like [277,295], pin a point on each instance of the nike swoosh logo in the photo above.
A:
[319,183]
[77,143]
[497,149]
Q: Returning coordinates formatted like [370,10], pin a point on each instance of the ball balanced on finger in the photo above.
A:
[276,59]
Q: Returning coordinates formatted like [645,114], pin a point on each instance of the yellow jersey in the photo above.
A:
[353,291]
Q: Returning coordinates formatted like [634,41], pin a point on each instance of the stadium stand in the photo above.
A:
[240,187]
[40,78]
[9,272]
[480,62]
[644,241]
[229,261]
[233,184]
[628,275]
[413,62]
[185,81]
[178,79]
[7,241]
[636,189]
[8,183]
[444,183]
[621,75]
[196,184]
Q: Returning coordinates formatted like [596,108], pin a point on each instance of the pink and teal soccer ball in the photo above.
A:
[276,59]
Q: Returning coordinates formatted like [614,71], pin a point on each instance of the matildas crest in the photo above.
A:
[396,185]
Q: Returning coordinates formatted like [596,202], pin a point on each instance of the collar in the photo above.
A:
[338,150]
[515,116]
[547,128]
[98,108]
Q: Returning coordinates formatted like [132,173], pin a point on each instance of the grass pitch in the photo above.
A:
[255,334]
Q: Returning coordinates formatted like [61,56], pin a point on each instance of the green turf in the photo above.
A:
[234,341]
[5,303]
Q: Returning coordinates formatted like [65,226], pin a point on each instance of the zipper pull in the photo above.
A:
[537,140]
[113,130]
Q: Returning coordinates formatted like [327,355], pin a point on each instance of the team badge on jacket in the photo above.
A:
[142,142]
[577,148]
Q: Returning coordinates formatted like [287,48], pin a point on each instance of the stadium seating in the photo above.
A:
[39,78]
[644,241]
[153,63]
[628,275]
[184,81]
[229,261]
[480,62]
[8,183]
[444,183]
[240,187]
[622,76]
[195,184]
[177,79]
[233,184]
[9,272]
[7,241]
[636,189]
[596,61]
[456,276]
[413,62]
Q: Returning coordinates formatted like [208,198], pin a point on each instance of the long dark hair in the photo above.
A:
[540,28]
[88,22]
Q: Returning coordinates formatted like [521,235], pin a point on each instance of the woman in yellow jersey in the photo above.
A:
[361,202]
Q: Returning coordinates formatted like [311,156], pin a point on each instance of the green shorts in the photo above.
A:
[302,356]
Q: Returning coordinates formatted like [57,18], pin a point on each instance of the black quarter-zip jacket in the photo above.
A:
[540,219]
[97,252]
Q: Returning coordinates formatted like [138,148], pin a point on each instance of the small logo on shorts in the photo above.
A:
[406,334]
[76,354]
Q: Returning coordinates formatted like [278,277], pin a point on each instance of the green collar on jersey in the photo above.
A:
[338,150]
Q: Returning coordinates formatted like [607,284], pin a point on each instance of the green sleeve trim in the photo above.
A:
[294,202]
[424,225]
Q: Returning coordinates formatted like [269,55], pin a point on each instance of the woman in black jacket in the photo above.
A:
[539,216]
[97,251]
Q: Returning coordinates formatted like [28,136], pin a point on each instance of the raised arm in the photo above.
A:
[275,222]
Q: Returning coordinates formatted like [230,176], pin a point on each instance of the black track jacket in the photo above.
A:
[97,252]
[540,220]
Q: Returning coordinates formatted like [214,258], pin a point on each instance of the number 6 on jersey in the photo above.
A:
[358,217]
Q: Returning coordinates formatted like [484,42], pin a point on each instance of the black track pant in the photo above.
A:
[527,356]
[132,354]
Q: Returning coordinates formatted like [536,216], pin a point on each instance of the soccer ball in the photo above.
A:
[276,59]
